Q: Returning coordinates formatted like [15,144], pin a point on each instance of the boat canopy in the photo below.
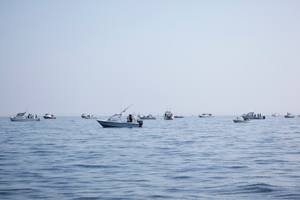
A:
[115,117]
[21,114]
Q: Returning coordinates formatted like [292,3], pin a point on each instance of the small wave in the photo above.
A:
[237,167]
[181,177]
[96,166]
[289,196]
[257,188]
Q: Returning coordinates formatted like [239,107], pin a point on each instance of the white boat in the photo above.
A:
[251,115]
[83,115]
[49,116]
[168,115]
[22,117]
[90,117]
[116,121]
[146,117]
[275,115]
[289,115]
[205,115]
[244,120]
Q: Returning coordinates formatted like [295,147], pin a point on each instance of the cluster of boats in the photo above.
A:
[246,118]
[288,115]
[132,121]
[30,117]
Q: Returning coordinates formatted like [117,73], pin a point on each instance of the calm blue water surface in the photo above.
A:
[189,158]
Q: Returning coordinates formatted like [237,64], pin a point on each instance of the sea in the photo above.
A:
[184,158]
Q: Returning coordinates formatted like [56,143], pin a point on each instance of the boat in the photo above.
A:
[178,116]
[146,117]
[289,115]
[115,121]
[275,115]
[90,117]
[251,115]
[83,115]
[22,117]
[244,120]
[49,116]
[205,115]
[168,115]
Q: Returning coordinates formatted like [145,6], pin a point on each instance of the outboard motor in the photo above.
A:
[140,122]
[264,117]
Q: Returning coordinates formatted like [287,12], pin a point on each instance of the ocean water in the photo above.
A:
[189,158]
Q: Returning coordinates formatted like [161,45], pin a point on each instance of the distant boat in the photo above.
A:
[244,120]
[146,117]
[289,115]
[115,121]
[90,117]
[22,117]
[275,115]
[49,116]
[168,115]
[178,116]
[251,115]
[83,115]
[205,115]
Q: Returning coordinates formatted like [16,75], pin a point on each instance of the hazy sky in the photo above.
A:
[222,57]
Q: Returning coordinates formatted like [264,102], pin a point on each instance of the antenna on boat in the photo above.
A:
[126,108]
[255,108]
[121,105]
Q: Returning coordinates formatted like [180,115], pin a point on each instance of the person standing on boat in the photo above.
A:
[130,118]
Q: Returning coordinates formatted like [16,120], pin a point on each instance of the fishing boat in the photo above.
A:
[205,115]
[275,115]
[22,118]
[289,115]
[146,117]
[251,115]
[49,116]
[90,117]
[244,120]
[168,115]
[115,121]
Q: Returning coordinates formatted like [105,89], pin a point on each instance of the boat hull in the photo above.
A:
[289,116]
[24,119]
[148,118]
[169,118]
[49,117]
[118,124]
[240,121]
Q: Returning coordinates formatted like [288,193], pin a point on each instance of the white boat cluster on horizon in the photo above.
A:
[116,121]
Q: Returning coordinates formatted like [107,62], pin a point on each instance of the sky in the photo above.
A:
[222,57]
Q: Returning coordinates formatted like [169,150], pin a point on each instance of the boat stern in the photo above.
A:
[140,122]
